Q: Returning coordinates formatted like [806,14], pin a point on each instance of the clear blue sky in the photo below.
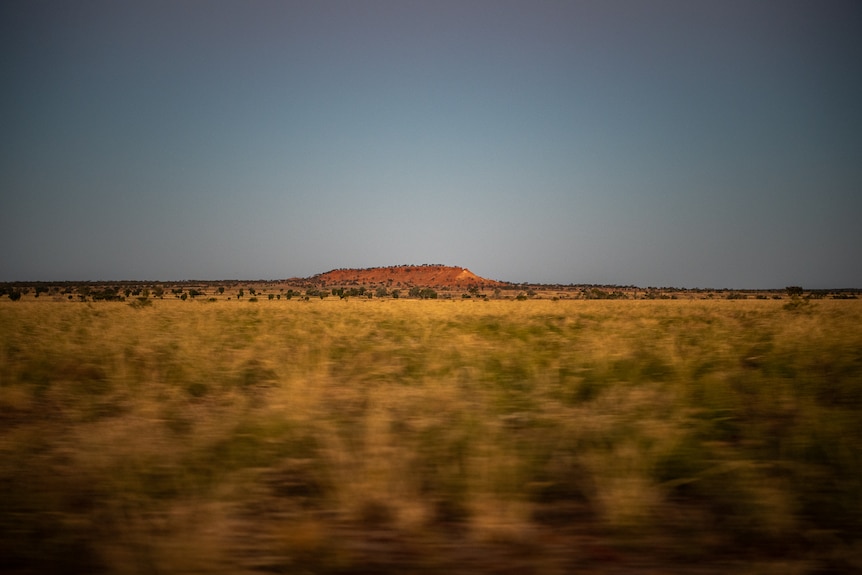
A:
[657,143]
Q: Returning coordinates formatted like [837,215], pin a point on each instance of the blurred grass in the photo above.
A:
[423,436]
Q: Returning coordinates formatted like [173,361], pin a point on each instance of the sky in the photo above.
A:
[691,143]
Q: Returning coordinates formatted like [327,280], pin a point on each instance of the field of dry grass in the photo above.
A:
[394,436]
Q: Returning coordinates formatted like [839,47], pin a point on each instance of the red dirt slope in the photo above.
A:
[405,276]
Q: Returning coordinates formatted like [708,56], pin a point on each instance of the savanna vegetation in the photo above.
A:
[344,436]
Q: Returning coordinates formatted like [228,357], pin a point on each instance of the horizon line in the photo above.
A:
[508,283]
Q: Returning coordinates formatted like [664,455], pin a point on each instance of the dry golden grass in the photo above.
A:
[333,436]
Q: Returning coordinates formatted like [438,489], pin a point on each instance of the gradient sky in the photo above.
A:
[666,143]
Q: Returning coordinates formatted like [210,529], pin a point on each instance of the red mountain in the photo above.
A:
[405,276]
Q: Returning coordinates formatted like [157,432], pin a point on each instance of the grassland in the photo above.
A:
[404,436]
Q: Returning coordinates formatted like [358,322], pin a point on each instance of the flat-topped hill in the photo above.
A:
[408,275]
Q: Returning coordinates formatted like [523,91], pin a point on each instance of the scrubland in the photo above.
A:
[403,436]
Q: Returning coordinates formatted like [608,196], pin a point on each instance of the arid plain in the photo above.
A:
[483,433]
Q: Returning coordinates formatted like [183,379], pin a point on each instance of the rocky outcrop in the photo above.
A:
[405,276]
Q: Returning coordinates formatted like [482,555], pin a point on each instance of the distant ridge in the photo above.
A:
[405,276]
